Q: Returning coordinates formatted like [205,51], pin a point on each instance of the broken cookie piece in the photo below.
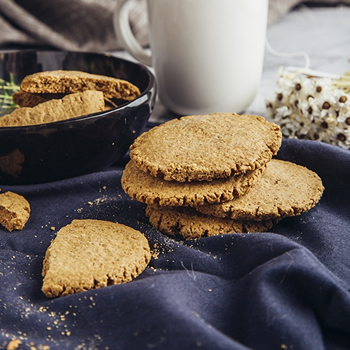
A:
[70,106]
[88,254]
[27,99]
[14,211]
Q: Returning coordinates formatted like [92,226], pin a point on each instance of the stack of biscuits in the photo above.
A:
[205,175]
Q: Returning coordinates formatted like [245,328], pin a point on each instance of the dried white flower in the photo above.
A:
[313,108]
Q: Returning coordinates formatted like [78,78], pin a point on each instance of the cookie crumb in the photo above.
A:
[13,344]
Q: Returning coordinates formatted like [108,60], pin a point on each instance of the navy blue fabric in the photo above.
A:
[285,289]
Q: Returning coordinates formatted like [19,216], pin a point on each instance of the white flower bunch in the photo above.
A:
[312,108]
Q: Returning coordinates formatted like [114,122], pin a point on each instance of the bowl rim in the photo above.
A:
[138,100]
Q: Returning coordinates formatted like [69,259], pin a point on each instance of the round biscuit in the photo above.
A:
[285,189]
[206,147]
[190,224]
[152,190]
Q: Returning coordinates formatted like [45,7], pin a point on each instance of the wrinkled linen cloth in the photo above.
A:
[87,25]
[283,289]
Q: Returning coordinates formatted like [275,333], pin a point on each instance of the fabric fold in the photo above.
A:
[284,289]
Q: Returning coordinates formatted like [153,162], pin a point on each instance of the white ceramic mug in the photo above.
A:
[207,55]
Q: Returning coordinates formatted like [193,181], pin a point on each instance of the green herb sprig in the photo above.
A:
[7,89]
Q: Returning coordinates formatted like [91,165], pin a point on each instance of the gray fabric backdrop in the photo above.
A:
[86,25]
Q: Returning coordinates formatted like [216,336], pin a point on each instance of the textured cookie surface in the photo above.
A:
[27,99]
[67,82]
[70,106]
[14,211]
[89,254]
[205,147]
[191,224]
[152,190]
[285,189]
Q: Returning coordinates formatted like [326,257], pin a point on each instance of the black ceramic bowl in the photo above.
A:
[59,150]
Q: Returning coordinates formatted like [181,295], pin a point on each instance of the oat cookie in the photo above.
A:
[205,147]
[27,99]
[70,106]
[152,190]
[14,211]
[285,189]
[191,224]
[67,82]
[89,254]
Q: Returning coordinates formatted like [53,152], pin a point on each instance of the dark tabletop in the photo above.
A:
[284,289]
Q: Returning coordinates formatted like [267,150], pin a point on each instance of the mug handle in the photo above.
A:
[122,28]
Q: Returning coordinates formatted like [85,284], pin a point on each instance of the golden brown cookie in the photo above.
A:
[27,99]
[206,147]
[191,224]
[67,82]
[152,190]
[285,189]
[14,211]
[88,254]
[70,106]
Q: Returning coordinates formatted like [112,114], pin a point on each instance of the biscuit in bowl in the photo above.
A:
[63,149]
[70,106]
[71,81]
